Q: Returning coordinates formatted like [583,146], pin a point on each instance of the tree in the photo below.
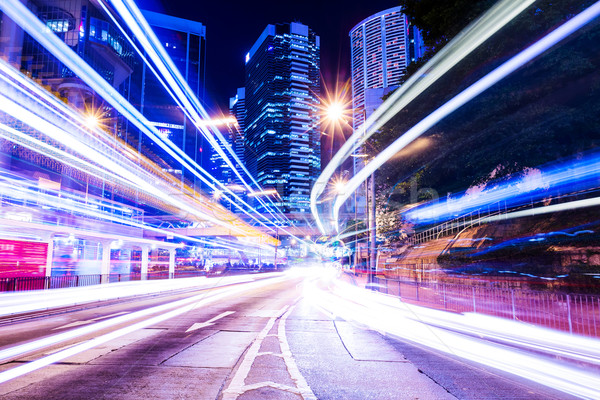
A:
[441,20]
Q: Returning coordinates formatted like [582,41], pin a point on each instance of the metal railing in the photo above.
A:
[455,225]
[25,283]
[478,217]
[574,313]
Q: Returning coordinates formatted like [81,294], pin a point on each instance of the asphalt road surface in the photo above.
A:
[260,340]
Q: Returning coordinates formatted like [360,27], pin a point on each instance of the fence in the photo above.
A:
[16,284]
[456,225]
[574,313]
[479,216]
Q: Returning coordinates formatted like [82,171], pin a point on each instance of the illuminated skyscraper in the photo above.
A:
[237,108]
[86,30]
[185,42]
[282,143]
[382,46]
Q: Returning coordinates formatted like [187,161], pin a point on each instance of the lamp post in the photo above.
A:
[335,112]
[370,212]
[373,230]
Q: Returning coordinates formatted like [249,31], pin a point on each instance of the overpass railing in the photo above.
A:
[477,217]
[24,283]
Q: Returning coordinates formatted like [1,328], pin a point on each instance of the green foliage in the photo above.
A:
[441,20]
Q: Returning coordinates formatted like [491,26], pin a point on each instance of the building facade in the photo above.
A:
[237,109]
[185,42]
[382,46]
[281,136]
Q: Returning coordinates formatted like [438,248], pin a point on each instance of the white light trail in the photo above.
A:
[510,66]
[490,341]
[176,308]
[178,87]
[571,176]
[27,117]
[32,25]
[461,46]
[58,203]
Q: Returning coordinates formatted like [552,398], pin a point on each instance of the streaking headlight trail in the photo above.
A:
[547,357]
[461,46]
[504,70]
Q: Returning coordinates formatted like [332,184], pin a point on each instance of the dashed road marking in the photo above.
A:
[237,387]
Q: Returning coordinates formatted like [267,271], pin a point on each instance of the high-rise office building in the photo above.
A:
[382,46]
[85,29]
[282,138]
[237,108]
[185,42]
[82,25]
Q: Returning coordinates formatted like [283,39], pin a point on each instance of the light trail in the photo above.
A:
[165,311]
[575,175]
[572,205]
[177,85]
[501,72]
[58,203]
[61,136]
[462,45]
[22,16]
[507,345]
[32,25]
[178,102]
[52,106]
[40,147]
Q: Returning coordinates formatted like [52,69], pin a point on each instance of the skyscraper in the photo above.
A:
[237,108]
[282,138]
[185,42]
[382,46]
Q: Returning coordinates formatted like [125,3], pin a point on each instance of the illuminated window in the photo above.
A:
[58,25]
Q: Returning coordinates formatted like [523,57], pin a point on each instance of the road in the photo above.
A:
[255,340]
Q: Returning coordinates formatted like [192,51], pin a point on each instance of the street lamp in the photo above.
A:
[371,211]
[335,111]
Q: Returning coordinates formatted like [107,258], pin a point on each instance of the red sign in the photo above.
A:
[22,258]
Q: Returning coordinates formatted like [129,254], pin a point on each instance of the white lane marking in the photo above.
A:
[269,353]
[200,325]
[180,307]
[89,321]
[237,387]
[110,316]
[305,390]
[274,386]
[73,324]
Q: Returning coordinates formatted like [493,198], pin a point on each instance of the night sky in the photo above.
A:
[232,27]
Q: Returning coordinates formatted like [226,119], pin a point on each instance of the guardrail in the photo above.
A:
[477,217]
[574,313]
[455,225]
[24,283]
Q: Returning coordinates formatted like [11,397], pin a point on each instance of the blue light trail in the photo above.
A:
[510,66]
[462,45]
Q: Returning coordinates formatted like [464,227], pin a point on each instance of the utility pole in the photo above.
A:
[276,244]
[373,230]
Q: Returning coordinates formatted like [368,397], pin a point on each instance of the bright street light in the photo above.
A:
[263,193]
[335,111]
[91,121]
